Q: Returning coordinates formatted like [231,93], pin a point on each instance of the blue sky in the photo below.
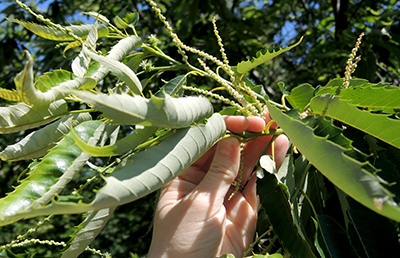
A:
[288,31]
[42,6]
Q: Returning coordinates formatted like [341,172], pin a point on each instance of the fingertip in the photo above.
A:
[256,124]
[236,124]
[280,149]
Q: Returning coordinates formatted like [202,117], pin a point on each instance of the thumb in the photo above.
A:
[223,170]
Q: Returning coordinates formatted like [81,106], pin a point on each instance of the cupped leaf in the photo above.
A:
[51,79]
[87,232]
[275,201]
[24,82]
[332,161]
[61,35]
[300,96]
[263,56]
[160,112]
[377,125]
[37,143]
[71,45]
[119,69]
[146,171]
[64,158]
[21,116]
[122,146]
[125,20]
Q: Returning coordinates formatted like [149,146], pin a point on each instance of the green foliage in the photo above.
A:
[262,57]
[337,187]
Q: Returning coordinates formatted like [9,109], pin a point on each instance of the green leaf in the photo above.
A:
[300,96]
[122,146]
[61,35]
[36,189]
[276,204]
[135,59]
[285,174]
[149,170]
[81,63]
[120,23]
[7,253]
[263,56]
[25,86]
[361,93]
[118,52]
[37,143]
[173,87]
[73,44]
[21,117]
[377,125]
[87,232]
[146,171]
[51,79]
[119,69]
[378,239]
[74,167]
[98,16]
[331,160]
[160,112]
[10,95]
[336,238]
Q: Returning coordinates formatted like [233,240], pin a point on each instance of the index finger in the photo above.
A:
[239,124]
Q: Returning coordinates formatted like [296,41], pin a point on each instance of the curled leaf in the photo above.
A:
[37,143]
[24,82]
[161,112]
[61,35]
[120,147]
[119,69]
[21,116]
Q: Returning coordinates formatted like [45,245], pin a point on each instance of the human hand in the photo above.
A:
[194,217]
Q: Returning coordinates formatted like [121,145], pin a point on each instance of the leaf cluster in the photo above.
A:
[103,131]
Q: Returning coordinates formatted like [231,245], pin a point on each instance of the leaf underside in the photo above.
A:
[61,35]
[161,112]
[37,143]
[21,116]
[143,172]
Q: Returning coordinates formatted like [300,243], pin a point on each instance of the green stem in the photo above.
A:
[246,135]
[256,241]
[82,111]
[160,54]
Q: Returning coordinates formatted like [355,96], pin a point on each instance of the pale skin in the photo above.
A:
[194,217]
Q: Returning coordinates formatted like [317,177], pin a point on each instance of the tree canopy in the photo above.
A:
[328,32]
